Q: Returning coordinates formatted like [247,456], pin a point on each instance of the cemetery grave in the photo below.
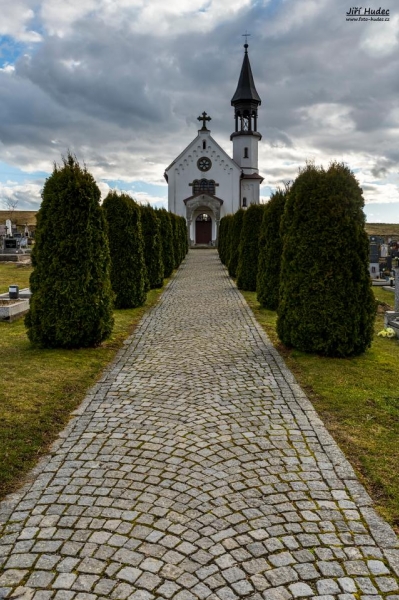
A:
[14,303]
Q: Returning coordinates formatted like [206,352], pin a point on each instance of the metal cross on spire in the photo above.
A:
[204,118]
[246,35]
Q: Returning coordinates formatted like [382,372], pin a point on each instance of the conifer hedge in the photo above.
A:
[270,251]
[176,240]
[71,304]
[247,268]
[166,230]
[223,239]
[128,271]
[183,237]
[234,241]
[180,244]
[326,302]
[151,229]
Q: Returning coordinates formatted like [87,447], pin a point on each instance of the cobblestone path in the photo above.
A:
[196,468]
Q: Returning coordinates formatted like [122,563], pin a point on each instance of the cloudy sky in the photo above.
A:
[121,82]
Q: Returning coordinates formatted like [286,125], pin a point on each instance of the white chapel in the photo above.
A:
[204,182]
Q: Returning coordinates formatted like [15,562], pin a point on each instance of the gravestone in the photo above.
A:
[10,244]
[393,315]
[8,227]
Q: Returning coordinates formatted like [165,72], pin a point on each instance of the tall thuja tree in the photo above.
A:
[180,239]
[326,302]
[151,228]
[71,304]
[247,268]
[224,240]
[176,240]
[128,271]
[183,236]
[166,229]
[220,238]
[270,251]
[179,234]
[234,241]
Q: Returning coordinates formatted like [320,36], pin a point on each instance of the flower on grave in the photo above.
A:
[387,332]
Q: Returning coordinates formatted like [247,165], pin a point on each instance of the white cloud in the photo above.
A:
[377,193]
[16,17]
[334,119]
[381,39]
[294,14]
[156,17]
[27,194]
[7,69]
[145,198]
[139,196]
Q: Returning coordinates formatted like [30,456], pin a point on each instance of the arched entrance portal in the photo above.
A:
[199,205]
[203,229]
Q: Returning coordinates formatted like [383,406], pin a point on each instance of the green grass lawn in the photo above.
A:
[358,400]
[14,274]
[40,388]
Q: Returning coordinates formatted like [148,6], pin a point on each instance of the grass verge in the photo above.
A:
[14,274]
[40,388]
[358,401]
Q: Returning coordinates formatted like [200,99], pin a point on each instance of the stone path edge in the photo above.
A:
[8,504]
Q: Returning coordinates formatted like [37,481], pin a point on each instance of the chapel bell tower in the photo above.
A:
[246,136]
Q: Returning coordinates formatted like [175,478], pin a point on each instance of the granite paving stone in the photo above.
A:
[196,469]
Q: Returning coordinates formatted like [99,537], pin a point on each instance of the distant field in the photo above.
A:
[383,228]
[19,217]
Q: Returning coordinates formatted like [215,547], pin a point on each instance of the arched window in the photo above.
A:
[203,217]
[246,152]
[204,145]
[204,186]
[244,202]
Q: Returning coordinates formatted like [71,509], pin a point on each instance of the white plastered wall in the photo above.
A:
[184,171]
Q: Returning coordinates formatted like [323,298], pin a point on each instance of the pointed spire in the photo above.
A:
[246,87]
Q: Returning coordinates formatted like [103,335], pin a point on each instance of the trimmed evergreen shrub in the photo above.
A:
[168,255]
[71,304]
[151,229]
[247,268]
[270,251]
[186,238]
[223,240]
[128,271]
[234,241]
[326,302]
[183,237]
[178,239]
[174,240]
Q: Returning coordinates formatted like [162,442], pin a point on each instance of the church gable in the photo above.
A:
[203,168]
[202,146]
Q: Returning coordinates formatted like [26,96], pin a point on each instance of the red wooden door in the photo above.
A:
[203,232]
